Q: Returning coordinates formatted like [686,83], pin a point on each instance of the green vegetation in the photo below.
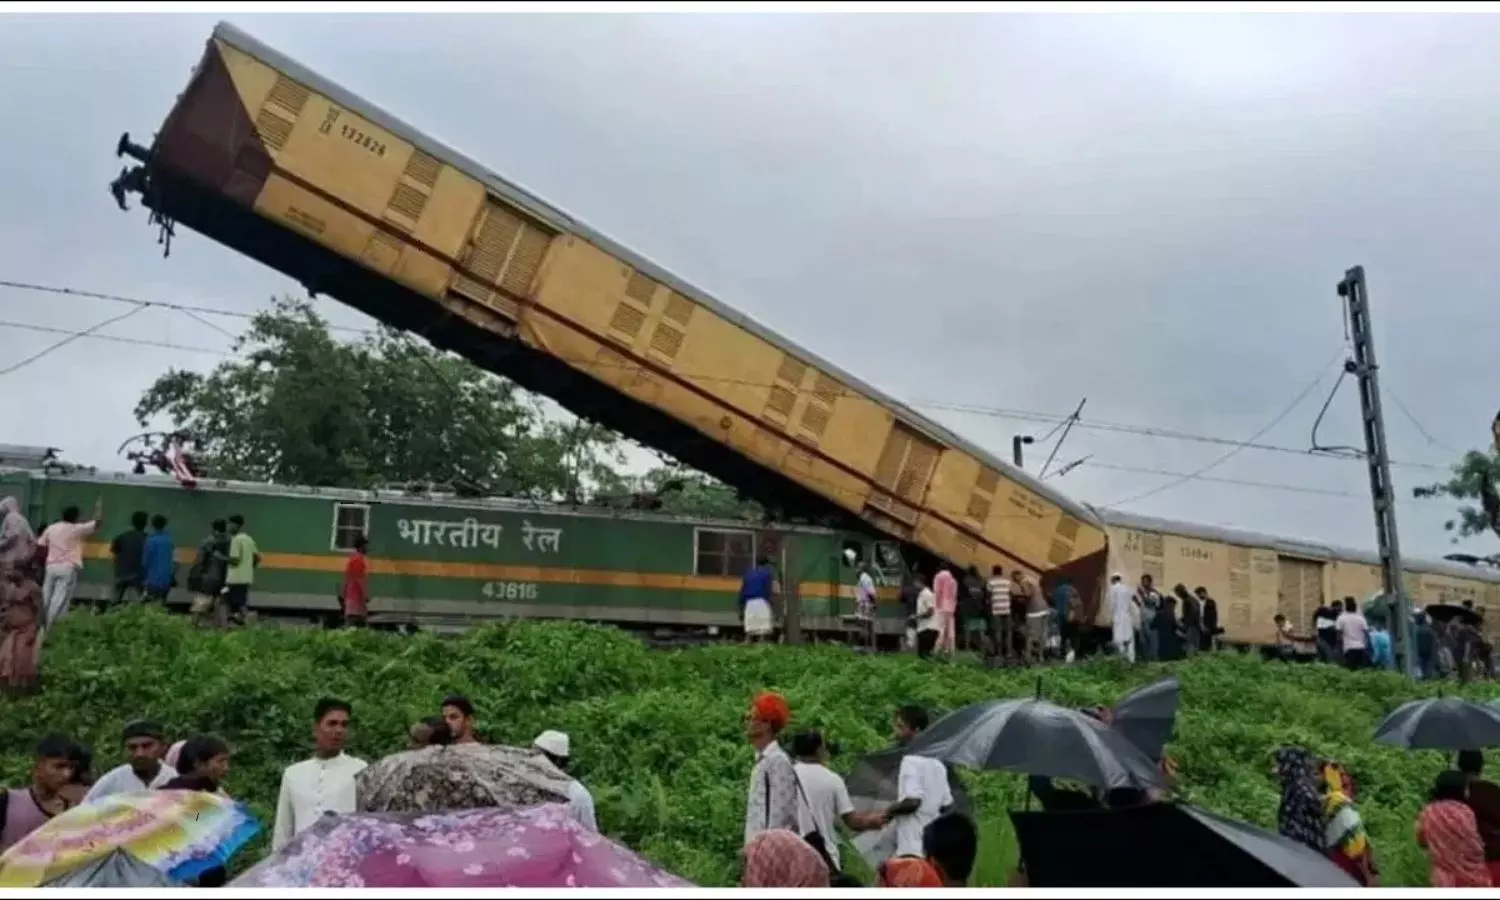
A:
[657,733]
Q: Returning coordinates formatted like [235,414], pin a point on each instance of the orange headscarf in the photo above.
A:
[908,872]
[780,859]
[772,709]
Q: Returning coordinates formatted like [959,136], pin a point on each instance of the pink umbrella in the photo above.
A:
[539,847]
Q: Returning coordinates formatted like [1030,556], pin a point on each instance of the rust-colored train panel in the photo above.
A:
[263,155]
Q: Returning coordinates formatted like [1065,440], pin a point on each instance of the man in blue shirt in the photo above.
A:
[1381,655]
[755,600]
[157,560]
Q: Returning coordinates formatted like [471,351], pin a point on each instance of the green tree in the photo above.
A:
[297,405]
[1472,484]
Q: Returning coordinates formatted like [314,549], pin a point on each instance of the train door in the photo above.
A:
[1301,589]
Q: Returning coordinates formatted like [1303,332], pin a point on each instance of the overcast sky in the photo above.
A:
[998,211]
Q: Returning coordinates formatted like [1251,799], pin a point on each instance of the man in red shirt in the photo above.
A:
[354,597]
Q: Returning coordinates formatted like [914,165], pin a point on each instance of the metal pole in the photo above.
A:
[1362,366]
[1015,448]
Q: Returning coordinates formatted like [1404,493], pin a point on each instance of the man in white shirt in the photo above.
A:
[823,798]
[772,796]
[554,746]
[1122,615]
[864,605]
[927,620]
[1354,635]
[322,784]
[145,744]
[921,785]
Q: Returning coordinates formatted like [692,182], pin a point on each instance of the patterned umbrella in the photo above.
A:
[461,776]
[179,833]
[538,847]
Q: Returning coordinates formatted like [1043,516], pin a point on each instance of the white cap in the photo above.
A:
[553,742]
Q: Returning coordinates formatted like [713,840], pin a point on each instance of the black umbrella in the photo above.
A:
[1036,737]
[1146,716]
[118,869]
[1443,612]
[1164,845]
[1443,723]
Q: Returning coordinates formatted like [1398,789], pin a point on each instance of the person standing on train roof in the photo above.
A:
[756,589]
[158,560]
[1122,616]
[128,548]
[64,542]
[354,596]
[244,557]
[458,712]
[945,591]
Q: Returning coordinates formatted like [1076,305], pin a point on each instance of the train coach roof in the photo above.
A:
[1288,546]
[403,498]
[563,222]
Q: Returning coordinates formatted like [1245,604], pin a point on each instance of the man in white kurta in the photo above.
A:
[555,746]
[322,784]
[1122,616]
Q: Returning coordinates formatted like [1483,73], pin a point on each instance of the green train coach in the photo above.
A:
[445,562]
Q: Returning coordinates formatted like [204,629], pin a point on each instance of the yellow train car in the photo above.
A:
[1255,576]
[263,155]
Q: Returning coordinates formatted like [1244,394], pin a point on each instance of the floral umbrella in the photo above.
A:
[540,847]
[178,833]
[461,776]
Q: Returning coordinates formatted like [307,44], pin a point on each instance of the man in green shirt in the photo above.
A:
[243,558]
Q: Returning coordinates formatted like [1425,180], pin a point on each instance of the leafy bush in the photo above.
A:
[657,734]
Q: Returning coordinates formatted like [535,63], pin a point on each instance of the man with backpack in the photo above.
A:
[206,577]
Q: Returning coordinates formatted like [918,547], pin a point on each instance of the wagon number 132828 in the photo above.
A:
[508,590]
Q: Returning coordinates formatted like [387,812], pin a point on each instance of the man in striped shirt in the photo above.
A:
[1004,634]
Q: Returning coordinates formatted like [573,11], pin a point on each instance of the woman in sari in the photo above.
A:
[1300,815]
[17,540]
[1449,833]
[1344,832]
[782,859]
[21,644]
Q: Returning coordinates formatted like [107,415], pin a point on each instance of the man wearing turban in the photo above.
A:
[772,801]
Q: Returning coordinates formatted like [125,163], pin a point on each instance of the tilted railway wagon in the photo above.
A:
[449,562]
[266,157]
[1255,576]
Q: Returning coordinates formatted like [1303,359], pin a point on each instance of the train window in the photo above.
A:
[723,553]
[350,520]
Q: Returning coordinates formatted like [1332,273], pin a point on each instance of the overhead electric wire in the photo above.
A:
[87,332]
[165,345]
[1019,415]
[1225,457]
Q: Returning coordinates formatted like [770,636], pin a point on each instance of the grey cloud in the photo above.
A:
[1007,211]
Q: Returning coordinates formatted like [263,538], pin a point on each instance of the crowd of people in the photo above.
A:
[1345,634]
[62,774]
